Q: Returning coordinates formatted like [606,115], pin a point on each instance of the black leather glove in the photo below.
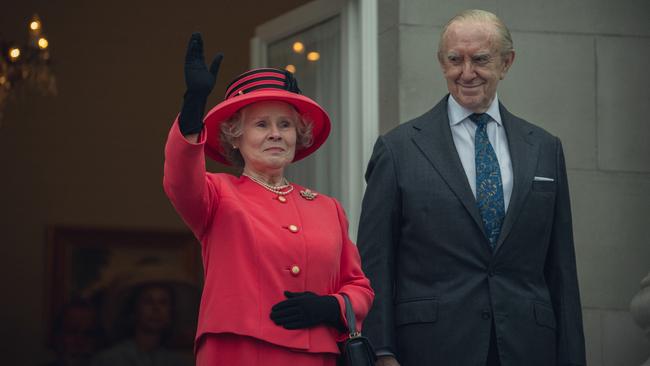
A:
[199,82]
[305,310]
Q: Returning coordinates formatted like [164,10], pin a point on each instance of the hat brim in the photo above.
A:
[304,105]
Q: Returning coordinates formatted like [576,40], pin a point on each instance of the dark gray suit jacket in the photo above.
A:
[438,285]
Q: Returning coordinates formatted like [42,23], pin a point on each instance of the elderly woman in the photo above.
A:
[277,257]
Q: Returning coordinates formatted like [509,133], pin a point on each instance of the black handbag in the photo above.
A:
[356,350]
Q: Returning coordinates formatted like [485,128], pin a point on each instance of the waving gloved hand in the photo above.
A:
[305,310]
[199,82]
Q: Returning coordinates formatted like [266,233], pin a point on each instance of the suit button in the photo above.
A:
[293,228]
[295,270]
[485,314]
[491,273]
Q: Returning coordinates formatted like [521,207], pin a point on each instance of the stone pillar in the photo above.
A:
[640,309]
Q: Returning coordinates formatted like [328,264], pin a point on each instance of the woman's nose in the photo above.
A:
[274,133]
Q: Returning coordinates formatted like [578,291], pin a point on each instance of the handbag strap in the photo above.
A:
[349,315]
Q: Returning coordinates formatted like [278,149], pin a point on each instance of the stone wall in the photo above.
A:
[581,72]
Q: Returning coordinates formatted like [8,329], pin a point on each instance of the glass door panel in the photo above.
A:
[314,56]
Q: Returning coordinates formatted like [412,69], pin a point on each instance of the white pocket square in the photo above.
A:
[543,179]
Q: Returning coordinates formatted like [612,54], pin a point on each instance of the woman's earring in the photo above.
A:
[234,147]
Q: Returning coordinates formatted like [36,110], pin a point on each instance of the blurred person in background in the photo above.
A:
[77,334]
[141,316]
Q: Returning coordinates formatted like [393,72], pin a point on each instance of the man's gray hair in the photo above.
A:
[478,15]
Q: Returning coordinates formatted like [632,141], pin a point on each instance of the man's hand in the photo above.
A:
[199,82]
[386,361]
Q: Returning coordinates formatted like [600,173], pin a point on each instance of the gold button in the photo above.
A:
[293,228]
[295,270]
[282,199]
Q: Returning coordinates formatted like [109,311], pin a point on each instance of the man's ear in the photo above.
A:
[507,62]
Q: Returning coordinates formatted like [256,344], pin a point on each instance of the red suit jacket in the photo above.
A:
[255,247]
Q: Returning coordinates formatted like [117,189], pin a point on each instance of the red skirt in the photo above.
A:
[231,349]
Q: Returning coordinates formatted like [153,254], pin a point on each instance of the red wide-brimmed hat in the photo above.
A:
[265,84]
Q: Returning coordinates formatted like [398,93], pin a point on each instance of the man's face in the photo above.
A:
[472,63]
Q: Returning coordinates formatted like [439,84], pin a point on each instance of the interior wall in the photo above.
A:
[580,72]
[93,155]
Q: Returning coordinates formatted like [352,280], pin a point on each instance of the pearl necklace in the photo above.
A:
[280,190]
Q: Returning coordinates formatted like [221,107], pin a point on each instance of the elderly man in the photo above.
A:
[466,230]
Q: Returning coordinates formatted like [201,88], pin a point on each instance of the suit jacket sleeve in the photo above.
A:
[561,275]
[379,230]
[185,182]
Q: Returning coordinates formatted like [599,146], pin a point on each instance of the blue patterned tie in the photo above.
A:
[489,190]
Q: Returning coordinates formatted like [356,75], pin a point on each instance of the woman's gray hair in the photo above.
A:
[502,32]
[233,128]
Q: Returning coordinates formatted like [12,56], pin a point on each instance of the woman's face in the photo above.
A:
[268,141]
[154,309]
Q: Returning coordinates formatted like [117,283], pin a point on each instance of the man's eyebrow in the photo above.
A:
[481,57]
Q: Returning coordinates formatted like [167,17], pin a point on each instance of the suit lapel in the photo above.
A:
[433,138]
[523,154]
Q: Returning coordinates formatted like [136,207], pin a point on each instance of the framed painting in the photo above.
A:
[94,263]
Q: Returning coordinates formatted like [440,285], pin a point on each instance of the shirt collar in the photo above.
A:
[457,113]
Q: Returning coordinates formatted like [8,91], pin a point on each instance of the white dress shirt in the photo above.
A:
[463,131]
